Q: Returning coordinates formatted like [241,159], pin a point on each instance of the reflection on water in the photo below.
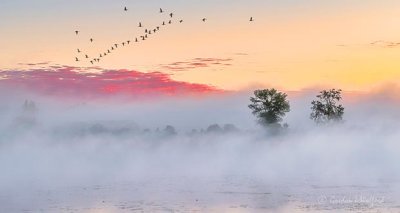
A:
[229,194]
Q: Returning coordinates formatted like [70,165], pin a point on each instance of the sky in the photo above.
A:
[92,124]
[292,45]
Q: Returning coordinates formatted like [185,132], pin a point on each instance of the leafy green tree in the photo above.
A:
[270,106]
[326,108]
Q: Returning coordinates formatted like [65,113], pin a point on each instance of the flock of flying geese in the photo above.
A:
[147,33]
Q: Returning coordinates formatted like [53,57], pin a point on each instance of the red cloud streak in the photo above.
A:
[72,82]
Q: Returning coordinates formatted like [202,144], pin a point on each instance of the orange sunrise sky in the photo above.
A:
[352,44]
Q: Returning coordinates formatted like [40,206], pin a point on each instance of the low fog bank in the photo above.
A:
[45,143]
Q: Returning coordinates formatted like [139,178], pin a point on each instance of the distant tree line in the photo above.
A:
[268,105]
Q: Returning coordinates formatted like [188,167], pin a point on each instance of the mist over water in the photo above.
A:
[117,156]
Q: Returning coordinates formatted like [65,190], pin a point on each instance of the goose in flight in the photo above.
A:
[108,51]
[123,43]
[251,19]
[180,21]
[112,48]
[204,19]
[78,50]
[161,10]
[86,56]
[129,41]
[158,28]
[145,31]
[136,40]
[125,9]
[76,59]
[171,14]
[91,62]
[140,24]
[91,39]
[101,55]
[154,30]
[169,22]
[76,32]
[116,45]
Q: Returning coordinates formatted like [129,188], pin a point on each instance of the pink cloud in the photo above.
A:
[75,82]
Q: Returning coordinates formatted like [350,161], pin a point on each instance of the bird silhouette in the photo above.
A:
[251,19]
[146,35]
[145,31]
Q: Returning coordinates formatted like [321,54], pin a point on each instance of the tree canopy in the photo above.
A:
[270,106]
[326,109]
